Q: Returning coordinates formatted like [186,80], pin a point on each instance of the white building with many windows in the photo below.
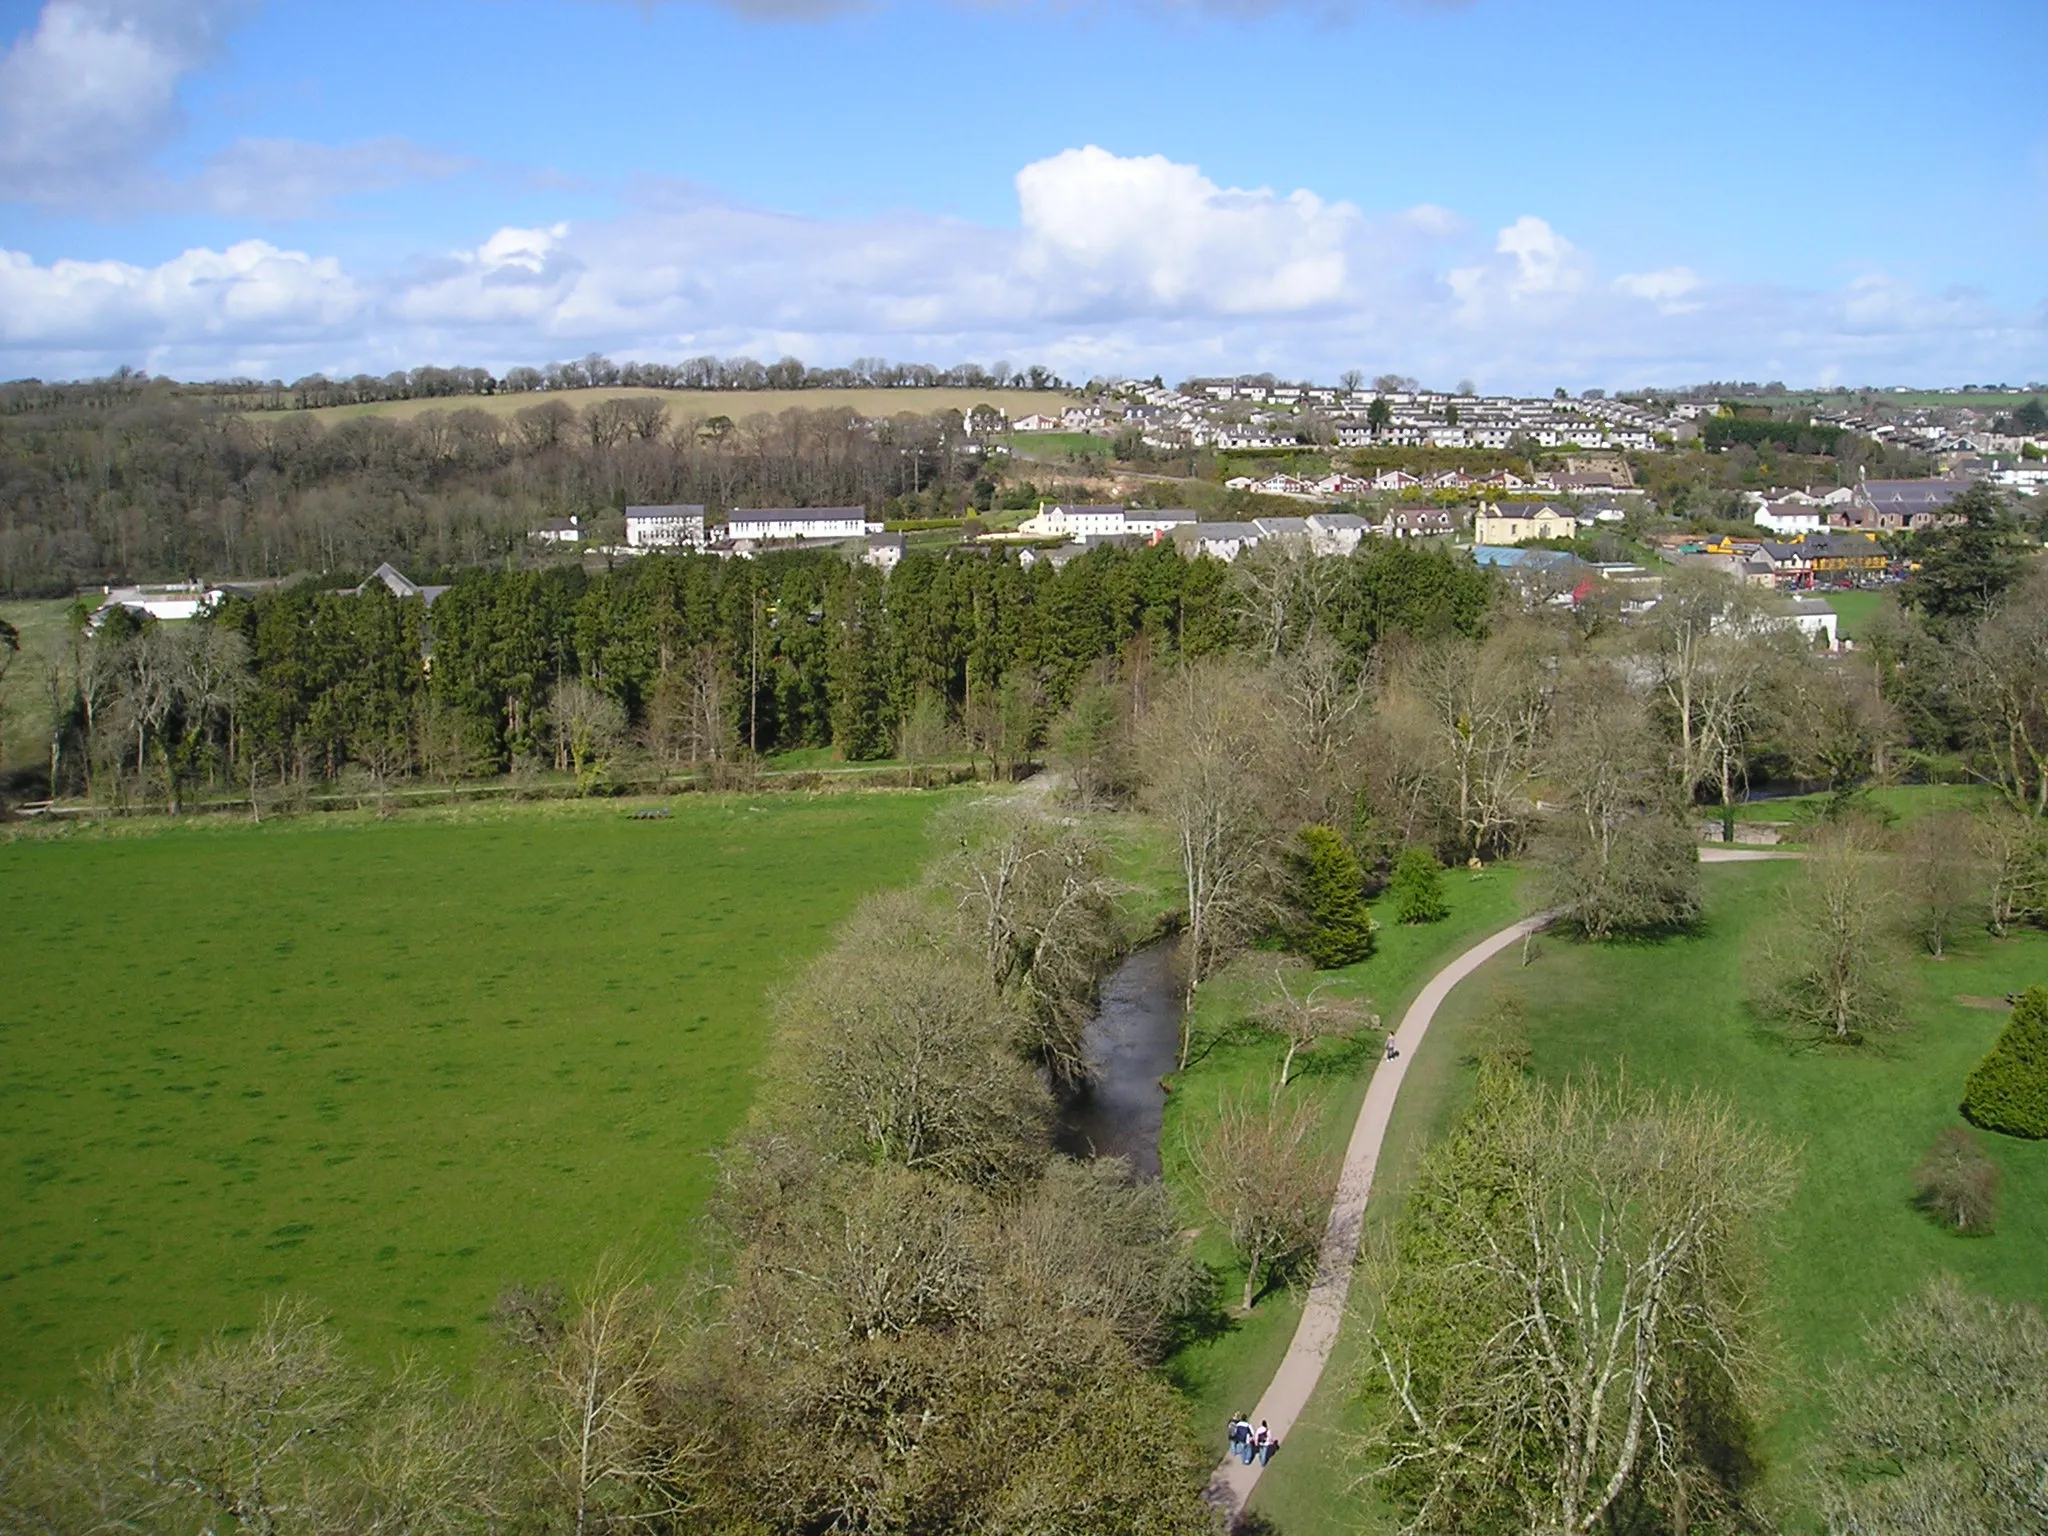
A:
[799,523]
[1101,522]
[674,527]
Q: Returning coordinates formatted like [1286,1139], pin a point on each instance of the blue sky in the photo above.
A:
[1522,193]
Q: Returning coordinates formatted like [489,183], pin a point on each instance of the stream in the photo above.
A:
[1133,1041]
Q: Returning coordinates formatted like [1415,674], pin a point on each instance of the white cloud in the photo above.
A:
[90,91]
[277,179]
[197,299]
[1669,288]
[89,95]
[1145,233]
[1118,263]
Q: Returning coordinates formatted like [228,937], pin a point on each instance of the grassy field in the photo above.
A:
[1857,609]
[1901,803]
[1851,1243]
[24,694]
[390,1066]
[1227,1372]
[739,404]
[1057,447]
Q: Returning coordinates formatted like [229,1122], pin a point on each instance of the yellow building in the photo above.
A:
[1545,522]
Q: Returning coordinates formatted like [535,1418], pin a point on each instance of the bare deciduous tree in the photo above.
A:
[615,1447]
[1828,963]
[587,725]
[1941,1429]
[1570,1316]
[1261,1177]
[1204,748]
[1042,913]
[1305,1012]
[1281,588]
[2013,848]
[1717,663]
[1999,680]
[1617,854]
[1941,879]
[908,1054]
[1473,713]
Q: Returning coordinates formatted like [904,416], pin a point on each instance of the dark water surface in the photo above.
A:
[1133,1041]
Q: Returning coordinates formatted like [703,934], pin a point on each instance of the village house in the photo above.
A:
[884,551]
[1790,516]
[1335,533]
[1219,541]
[1885,506]
[672,527]
[1522,525]
[398,584]
[559,530]
[1420,523]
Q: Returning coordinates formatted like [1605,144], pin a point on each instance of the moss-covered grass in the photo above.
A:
[392,1065]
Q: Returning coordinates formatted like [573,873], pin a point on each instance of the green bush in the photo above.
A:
[1417,888]
[2008,1091]
[1335,928]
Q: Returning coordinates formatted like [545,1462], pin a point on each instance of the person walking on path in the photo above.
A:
[1262,1444]
[1240,1435]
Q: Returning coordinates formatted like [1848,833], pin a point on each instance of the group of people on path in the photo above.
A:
[1248,1444]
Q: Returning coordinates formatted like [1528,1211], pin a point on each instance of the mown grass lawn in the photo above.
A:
[1851,1243]
[389,1066]
[1857,610]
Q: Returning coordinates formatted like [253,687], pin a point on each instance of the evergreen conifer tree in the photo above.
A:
[2008,1090]
[1418,888]
[1336,928]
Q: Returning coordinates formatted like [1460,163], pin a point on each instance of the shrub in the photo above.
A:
[1957,1184]
[1335,928]
[2008,1090]
[1417,888]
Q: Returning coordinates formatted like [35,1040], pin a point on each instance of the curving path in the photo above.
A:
[1323,1314]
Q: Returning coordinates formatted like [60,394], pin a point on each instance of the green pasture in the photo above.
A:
[24,691]
[1057,447]
[1231,1055]
[1857,610]
[1674,1013]
[392,1066]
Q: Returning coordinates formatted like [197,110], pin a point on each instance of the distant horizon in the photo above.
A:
[1014,383]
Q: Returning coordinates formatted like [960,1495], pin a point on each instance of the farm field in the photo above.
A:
[1850,1244]
[389,1066]
[739,404]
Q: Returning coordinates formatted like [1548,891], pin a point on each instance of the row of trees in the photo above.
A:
[689,660]
[593,371]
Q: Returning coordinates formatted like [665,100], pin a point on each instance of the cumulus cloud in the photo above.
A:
[89,96]
[90,90]
[1117,263]
[1145,233]
[250,288]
